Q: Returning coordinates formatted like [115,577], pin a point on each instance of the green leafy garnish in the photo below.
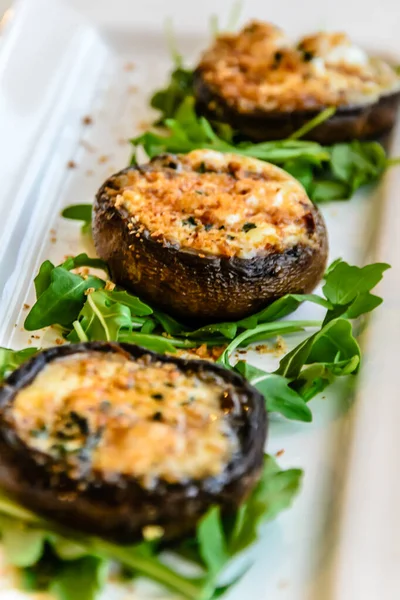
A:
[327,173]
[80,212]
[80,562]
[12,359]
[88,312]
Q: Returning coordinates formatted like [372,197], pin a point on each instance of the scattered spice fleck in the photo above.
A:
[26,306]
[144,125]
[89,172]
[110,286]
[87,120]
[133,89]
[29,342]
[59,342]
[89,291]
[53,239]
[53,231]
[103,159]
[129,66]
[280,453]
[248,226]
[71,164]
[157,416]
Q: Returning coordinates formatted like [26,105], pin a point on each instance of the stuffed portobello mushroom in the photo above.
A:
[114,440]
[209,236]
[266,87]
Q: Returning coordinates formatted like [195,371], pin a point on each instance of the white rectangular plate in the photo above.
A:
[59,64]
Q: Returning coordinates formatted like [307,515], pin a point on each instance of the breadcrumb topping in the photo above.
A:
[260,68]
[220,204]
[141,418]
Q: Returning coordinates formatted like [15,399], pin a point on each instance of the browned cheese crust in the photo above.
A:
[92,441]
[209,237]
[266,87]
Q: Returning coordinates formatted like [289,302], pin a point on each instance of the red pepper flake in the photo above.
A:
[144,125]
[71,164]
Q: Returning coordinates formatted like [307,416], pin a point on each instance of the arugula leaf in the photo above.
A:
[23,546]
[348,287]
[211,540]
[81,579]
[101,319]
[135,305]
[334,342]
[43,279]
[80,212]
[274,493]
[324,115]
[218,539]
[156,343]
[314,379]
[12,359]
[345,283]
[279,396]
[168,100]
[327,190]
[62,301]
[83,260]
[268,330]
[327,173]
[357,163]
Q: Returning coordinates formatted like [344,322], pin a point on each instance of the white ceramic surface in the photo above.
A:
[63,60]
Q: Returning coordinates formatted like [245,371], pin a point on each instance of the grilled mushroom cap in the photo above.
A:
[112,439]
[266,88]
[209,236]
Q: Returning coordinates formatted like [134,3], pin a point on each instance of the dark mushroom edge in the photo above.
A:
[120,508]
[196,287]
[364,122]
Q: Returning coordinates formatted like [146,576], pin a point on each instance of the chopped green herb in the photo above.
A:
[190,221]
[307,55]
[105,405]
[248,226]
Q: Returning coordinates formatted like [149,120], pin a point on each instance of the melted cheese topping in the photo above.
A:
[259,68]
[145,419]
[219,204]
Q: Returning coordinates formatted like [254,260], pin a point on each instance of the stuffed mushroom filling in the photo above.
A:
[259,68]
[220,204]
[141,418]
